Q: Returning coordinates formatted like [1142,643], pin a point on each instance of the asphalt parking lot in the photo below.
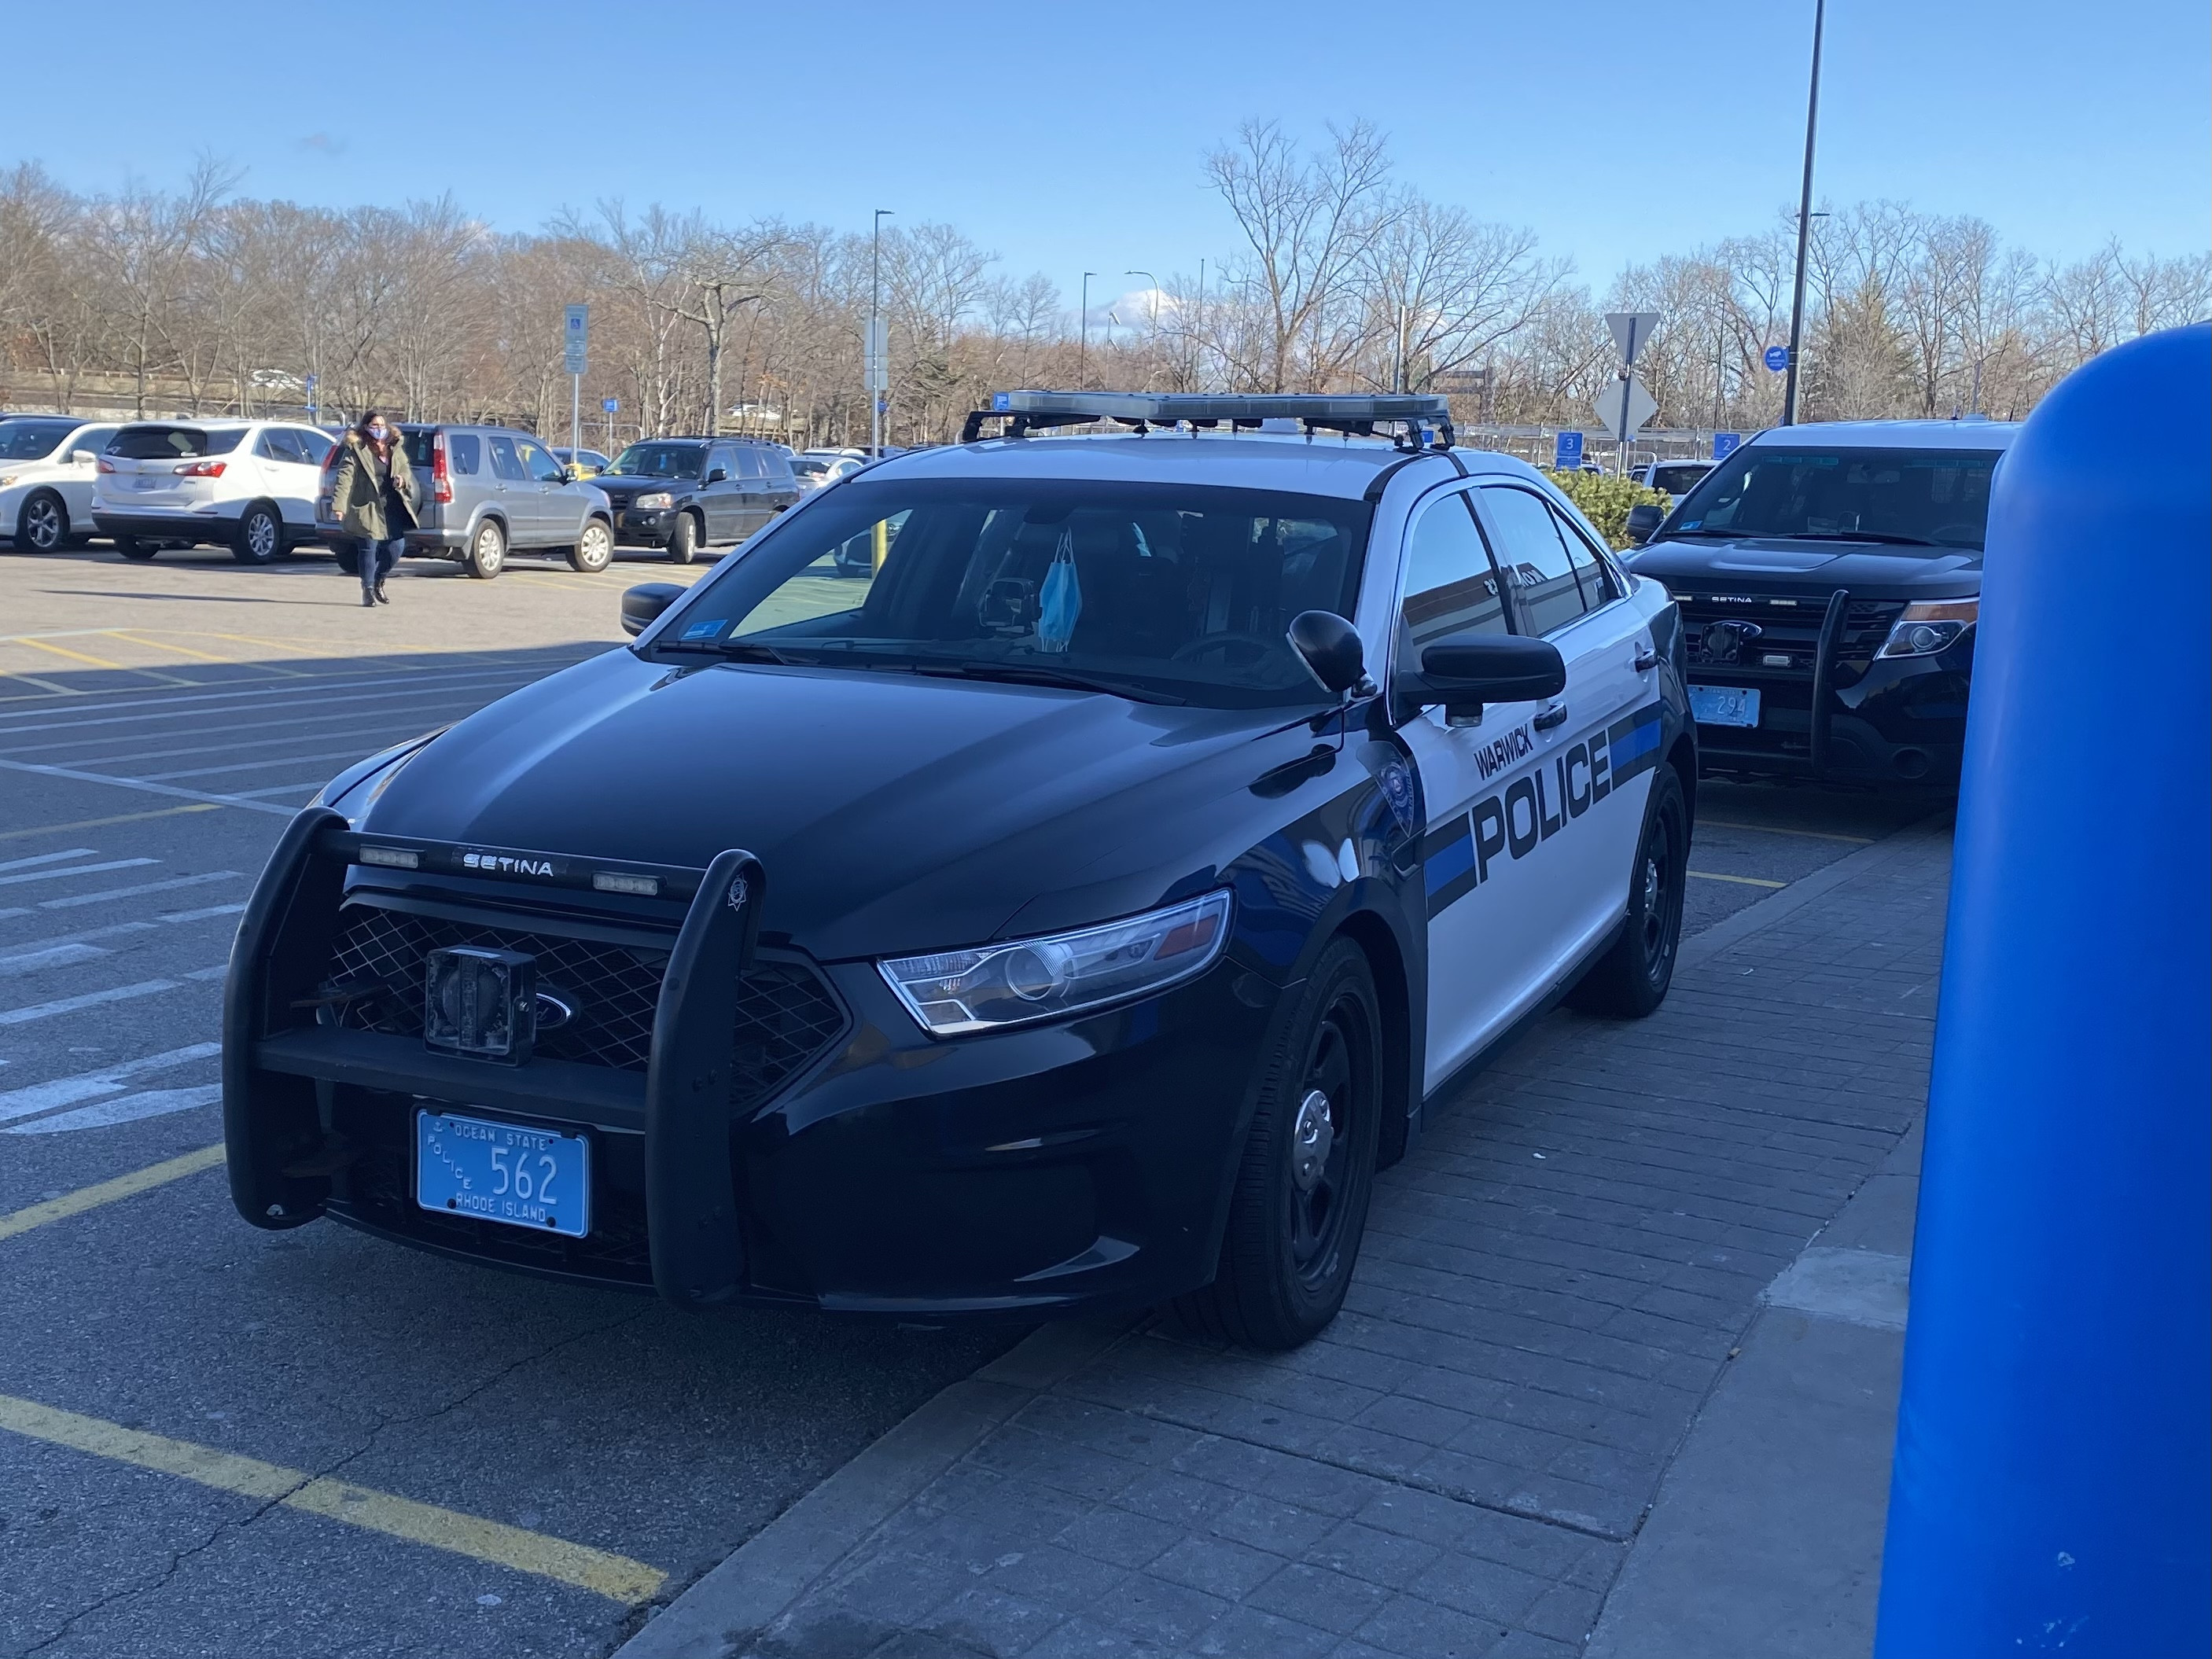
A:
[218,1441]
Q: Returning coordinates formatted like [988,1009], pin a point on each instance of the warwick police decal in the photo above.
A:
[1537,803]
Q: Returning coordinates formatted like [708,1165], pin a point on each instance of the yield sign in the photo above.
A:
[1632,330]
[1623,406]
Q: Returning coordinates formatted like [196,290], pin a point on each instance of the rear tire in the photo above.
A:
[594,550]
[684,540]
[42,525]
[1630,979]
[487,554]
[133,547]
[1299,1206]
[260,535]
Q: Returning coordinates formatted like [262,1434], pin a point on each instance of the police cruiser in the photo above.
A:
[1069,901]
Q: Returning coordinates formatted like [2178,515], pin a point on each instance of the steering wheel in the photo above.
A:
[1258,644]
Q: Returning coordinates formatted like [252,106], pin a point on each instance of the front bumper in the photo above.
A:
[828,1153]
[648,527]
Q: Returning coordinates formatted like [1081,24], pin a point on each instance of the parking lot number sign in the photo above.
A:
[610,405]
[1567,453]
[575,338]
[1724,443]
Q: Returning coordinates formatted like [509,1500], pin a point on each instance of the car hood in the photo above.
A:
[893,814]
[1870,571]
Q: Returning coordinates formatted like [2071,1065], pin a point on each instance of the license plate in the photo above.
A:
[503,1172]
[1724,705]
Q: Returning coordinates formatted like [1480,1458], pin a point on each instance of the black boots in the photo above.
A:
[382,598]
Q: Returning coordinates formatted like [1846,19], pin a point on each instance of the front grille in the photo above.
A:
[785,1014]
[1789,630]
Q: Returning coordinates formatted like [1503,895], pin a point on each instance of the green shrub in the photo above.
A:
[1605,499]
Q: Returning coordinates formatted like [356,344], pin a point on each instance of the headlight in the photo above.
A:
[1924,629]
[7,478]
[1050,978]
[658,498]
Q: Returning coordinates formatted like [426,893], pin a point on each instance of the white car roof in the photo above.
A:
[1894,434]
[1323,465]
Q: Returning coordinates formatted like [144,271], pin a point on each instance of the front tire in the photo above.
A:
[684,540]
[487,553]
[1299,1207]
[1631,979]
[42,525]
[260,536]
[594,550]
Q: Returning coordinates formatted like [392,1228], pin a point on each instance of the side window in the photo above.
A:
[727,461]
[778,468]
[749,464]
[464,453]
[1451,587]
[1591,570]
[505,463]
[267,448]
[1529,546]
[541,466]
[315,446]
[93,438]
[277,444]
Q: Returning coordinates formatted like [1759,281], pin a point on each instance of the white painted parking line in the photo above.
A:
[49,858]
[295,726]
[54,955]
[107,893]
[145,988]
[353,752]
[74,870]
[124,1108]
[200,915]
[144,788]
[86,937]
[284,788]
[244,699]
[62,1091]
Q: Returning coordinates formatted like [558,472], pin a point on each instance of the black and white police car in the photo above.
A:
[1075,911]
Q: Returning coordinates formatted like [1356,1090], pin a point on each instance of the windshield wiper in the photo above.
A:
[1020,673]
[1883,537]
[736,650]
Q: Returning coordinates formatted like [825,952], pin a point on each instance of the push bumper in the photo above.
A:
[1082,1164]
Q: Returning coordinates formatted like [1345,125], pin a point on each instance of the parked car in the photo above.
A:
[687,494]
[814,468]
[246,485]
[1830,577]
[47,466]
[490,490]
[588,463]
[1075,917]
[1677,478]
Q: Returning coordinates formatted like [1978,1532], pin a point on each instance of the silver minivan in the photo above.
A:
[490,490]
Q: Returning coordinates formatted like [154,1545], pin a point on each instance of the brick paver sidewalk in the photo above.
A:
[1549,1287]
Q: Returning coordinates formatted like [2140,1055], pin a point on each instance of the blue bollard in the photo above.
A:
[2051,1489]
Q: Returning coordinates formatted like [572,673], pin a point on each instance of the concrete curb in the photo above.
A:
[732,1602]
[781,1562]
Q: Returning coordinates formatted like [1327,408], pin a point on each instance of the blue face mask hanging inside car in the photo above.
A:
[1061,602]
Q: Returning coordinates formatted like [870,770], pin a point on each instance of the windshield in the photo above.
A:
[1157,592]
[1678,479]
[808,469]
[1937,496]
[22,439]
[658,461]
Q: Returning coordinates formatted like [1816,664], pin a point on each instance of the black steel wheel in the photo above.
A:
[42,524]
[1631,978]
[1299,1207]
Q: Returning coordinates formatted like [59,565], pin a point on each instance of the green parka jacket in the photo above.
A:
[358,488]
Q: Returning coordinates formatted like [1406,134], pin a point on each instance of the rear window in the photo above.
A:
[422,442]
[161,443]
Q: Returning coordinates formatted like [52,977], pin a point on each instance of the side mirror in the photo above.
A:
[1467,670]
[641,605]
[570,474]
[1330,647]
[717,475]
[1643,523]
[83,458]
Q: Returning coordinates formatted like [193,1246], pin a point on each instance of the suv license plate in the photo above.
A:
[503,1172]
[1724,705]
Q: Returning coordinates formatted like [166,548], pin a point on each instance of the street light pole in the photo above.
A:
[1804,221]
[875,323]
[1152,316]
[1082,336]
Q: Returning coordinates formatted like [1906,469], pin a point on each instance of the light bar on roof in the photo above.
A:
[1166,408]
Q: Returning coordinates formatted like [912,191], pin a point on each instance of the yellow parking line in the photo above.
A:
[1745,881]
[64,651]
[1777,829]
[617,1577]
[99,823]
[131,638]
[106,1192]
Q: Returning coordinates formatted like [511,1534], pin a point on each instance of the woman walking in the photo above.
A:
[373,496]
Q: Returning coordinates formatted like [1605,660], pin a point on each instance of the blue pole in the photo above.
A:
[2051,1487]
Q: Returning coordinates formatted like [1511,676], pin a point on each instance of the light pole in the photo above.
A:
[1082,336]
[1152,316]
[1804,223]
[874,357]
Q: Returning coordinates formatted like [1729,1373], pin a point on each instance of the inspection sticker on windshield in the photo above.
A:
[705,630]
[1724,705]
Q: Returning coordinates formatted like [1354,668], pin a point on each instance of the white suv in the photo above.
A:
[46,479]
[246,485]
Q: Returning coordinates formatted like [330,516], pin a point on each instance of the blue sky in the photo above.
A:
[1070,137]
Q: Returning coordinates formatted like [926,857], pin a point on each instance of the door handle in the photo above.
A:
[1646,657]
[1551,715]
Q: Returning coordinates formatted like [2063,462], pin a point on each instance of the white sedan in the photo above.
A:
[46,475]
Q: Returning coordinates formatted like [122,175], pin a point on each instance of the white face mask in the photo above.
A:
[381,433]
